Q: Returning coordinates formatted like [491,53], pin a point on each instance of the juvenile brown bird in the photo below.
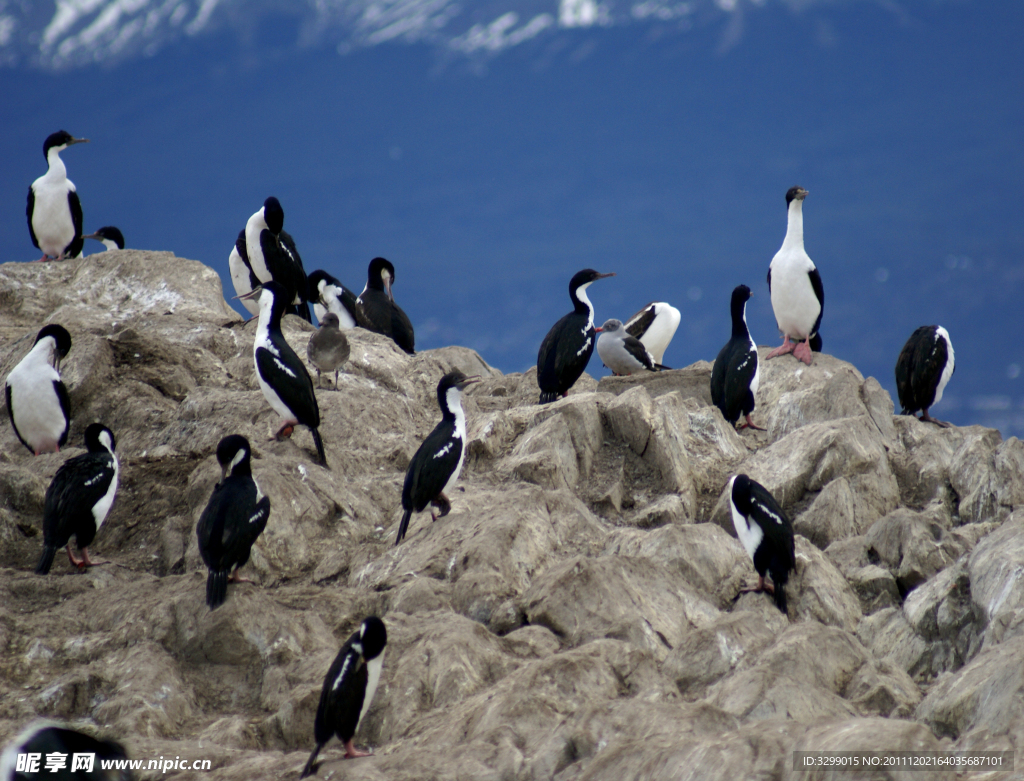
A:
[328,348]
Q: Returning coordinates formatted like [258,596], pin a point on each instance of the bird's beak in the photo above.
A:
[93,236]
[74,141]
[387,287]
[597,329]
[469,381]
[223,473]
[251,294]
[602,276]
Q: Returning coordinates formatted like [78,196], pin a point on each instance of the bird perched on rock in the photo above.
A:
[242,276]
[273,257]
[438,462]
[79,498]
[655,325]
[54,211]
[329,295]
[234,518]
[37,400]
[348,690]
[109,236]
[736,374]
[82,754]
[566,350]
[283,378]
[924,367]
[798,297]
[622,353]
[328,348]
[377,311]
[766,533]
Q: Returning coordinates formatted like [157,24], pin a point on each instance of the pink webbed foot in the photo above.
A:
[234,577]
[761,587]
[88,562]
[803,352]
[783,349]
[926,418]
[750,424]
[351,752]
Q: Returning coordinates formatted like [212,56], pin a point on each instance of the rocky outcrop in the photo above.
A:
[577,615]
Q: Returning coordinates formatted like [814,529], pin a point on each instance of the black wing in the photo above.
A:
[65,408]
[347,299]
[638,324]
[778,557]
[243,253]
[819,292]
[28,212]
[731,376]
[431,467]
[341,700]
[564,354]
[919,368]
[292,384]
[74,249]
[10,413]
[401,330]
[770,280]
[78,485]
[636,348]
[285,265]
[231,523]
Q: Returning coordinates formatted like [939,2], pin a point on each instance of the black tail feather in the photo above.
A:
[319,448]
[310,767]
[779,578]
[662,368]
[548,397]
[46,560]
[403,526]
[216,589]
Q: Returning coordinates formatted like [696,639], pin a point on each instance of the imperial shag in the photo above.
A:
[348,690]
[273,257]
[798,297]
[766,533]
[438,462]
[736,374]
[109,236]
[329,295]
[566,350]
[54,211]
[377,311]
[234,518]
[37,400]
[924,367]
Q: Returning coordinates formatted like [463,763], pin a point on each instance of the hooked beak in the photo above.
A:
[597,329]
[387,287]
[93,236]
[251,294]
[469,381]
[609,274]
[223,473]
[74,141]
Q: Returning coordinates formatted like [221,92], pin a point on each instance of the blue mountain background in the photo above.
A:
[492,160]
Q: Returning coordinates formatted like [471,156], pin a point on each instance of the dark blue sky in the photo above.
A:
[663,157]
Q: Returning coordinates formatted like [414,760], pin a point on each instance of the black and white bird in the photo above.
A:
[327,349]
[282,375]
[766,533]
[622,353]
[234,518]
[109,236]
[736,374]
[329,295]
[655,325]
[798,297]
[348,690]
[79,498]
[242,276]
[924,367]
[37,400]
[82,755]
[54,211]
[273,257]
[438,462]
[566,350]
[377,311]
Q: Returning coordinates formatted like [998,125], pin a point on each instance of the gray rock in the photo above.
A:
[996,567]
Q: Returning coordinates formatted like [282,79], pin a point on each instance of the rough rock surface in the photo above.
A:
[578,613]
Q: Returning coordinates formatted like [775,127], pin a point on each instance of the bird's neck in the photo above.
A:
[453,411]
[795,226]
[57,170]
[739,320]
[583,305]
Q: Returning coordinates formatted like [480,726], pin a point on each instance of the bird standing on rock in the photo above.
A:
[273,257]
[282,376]
[37,401]
[736,373]
[79,498]
[438,461]
[566,350]
[622,353]
[924,367]
[54,211]
[328,348]
[348,690]
[766,533]
[377,311]
[654,326]
[798,297]
[234,518]
[329,295]
[242,276]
